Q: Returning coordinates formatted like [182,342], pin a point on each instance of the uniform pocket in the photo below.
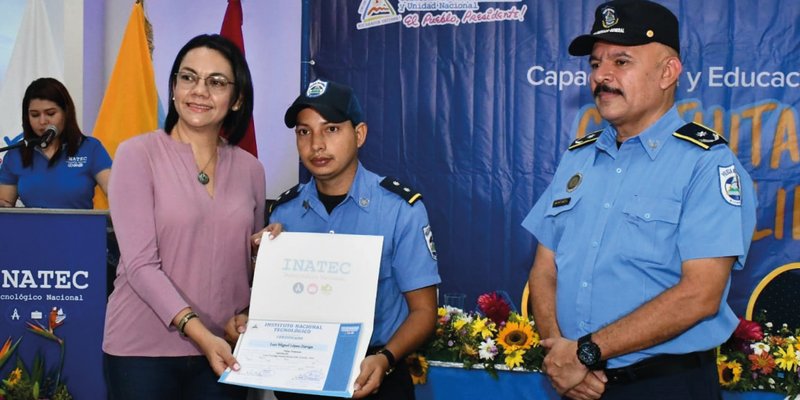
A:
[650,229]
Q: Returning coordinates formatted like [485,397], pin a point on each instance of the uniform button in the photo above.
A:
[607,205]
[619,170]
[582,324]
[647,215]
[594,244]
[584,284]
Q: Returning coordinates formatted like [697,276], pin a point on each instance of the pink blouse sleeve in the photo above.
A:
[131,200]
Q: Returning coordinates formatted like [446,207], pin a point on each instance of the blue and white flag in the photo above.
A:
[34,56]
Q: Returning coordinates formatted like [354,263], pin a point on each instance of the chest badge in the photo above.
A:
[574,182]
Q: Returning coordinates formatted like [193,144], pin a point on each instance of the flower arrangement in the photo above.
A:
[759,356]
[36,382]
[492,338]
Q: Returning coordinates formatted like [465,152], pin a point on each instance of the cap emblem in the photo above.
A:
[609,17]
[316,88]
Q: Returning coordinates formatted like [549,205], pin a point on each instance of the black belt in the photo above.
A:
[663,365]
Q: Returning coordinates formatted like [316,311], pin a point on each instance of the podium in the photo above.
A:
[53,287]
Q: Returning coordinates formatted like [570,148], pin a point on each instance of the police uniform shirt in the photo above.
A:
[67,184]
[408,261]
[621,222]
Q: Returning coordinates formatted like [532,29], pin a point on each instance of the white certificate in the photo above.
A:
[304,357]
[311,313]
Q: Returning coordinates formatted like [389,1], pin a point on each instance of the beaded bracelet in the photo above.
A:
[184,321]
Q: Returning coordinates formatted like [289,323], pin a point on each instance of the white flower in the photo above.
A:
[487,349]
[759,348]
[768,324]
[453,311]
[771,381]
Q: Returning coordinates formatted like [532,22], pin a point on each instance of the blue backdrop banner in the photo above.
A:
[53,299]
[473,102]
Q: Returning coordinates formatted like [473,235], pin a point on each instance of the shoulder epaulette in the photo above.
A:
[285,197]
[583,141]
[394,186]
[700,135]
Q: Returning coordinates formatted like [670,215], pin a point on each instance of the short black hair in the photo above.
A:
[235,124]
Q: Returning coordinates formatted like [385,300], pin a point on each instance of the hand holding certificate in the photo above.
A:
[311,313]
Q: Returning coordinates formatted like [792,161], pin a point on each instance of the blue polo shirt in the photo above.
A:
[407,262]
[67,184]
[621,222]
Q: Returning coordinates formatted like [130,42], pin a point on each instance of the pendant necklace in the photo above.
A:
[202,177]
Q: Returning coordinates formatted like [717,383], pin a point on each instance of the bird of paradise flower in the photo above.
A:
[7,350]
[5,353]
[49,333]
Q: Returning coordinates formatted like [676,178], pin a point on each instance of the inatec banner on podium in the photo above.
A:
[53,300]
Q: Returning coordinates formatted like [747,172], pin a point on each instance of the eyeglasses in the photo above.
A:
[214,83]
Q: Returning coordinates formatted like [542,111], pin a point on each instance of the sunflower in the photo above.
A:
[517,336]
[14,377]
[418,368]
[729,373]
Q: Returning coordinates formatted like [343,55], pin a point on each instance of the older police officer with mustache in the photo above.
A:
[640,227]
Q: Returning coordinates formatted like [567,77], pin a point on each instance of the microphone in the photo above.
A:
[48,136]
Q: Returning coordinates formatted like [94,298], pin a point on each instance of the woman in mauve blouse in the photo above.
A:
[184,202]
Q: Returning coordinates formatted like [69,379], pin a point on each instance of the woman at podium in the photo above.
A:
[56,166]
[184,202]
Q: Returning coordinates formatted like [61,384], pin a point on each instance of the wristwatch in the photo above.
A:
[589,353]
[389,357]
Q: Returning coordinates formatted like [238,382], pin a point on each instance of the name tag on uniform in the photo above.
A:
[561,202]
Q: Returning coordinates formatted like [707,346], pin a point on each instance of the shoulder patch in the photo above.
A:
[700,135]
[285,197]
[583,141]
[398,188]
